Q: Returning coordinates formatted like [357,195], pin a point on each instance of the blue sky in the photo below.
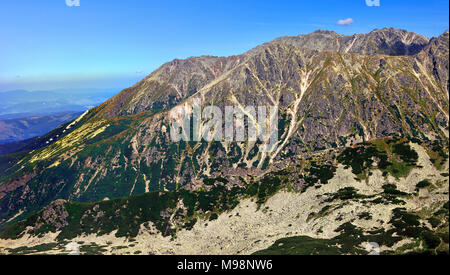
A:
[45,44]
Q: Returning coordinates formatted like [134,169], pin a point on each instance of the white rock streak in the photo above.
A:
[305,82]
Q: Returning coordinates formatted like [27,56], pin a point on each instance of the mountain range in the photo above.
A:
[20,129]
[362,157]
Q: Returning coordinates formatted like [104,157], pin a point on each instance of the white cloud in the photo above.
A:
[346,22]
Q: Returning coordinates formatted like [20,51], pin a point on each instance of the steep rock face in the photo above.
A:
[327,98]
[435,59]
[168,85]
[179,79]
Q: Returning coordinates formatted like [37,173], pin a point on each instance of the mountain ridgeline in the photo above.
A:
[333,92]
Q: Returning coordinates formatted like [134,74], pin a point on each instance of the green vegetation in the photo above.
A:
[409,225]
[92,249]
[422,184]
[323,212]
[8,161]
[348,242]
[391,156]
[318,174]
[391,189]
[24,250]
[365,216]
[302,245]
[127,214]
[437,153]
[351,239]
[347,193]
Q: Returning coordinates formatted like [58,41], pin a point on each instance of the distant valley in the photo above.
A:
[22,103]
[18,129]
[28,114]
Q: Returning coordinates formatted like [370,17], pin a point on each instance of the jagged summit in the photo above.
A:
[325,32]
[387,41]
